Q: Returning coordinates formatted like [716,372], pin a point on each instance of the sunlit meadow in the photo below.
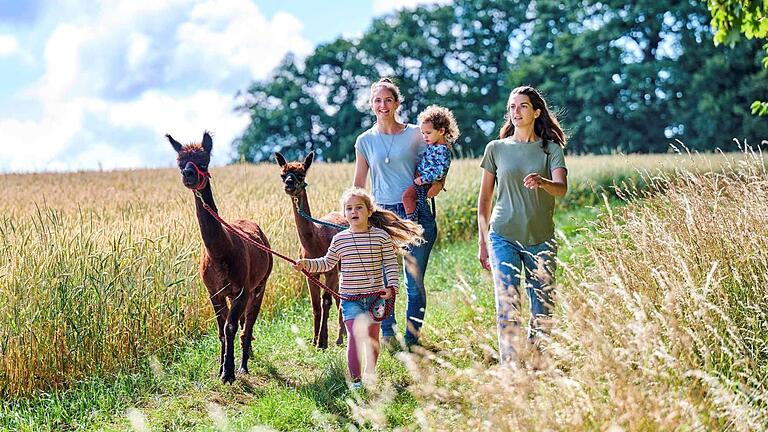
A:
[664,328]
[98,270]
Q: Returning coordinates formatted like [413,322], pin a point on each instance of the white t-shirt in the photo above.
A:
[392,161]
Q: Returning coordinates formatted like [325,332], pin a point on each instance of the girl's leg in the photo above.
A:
[353,357]
[540,265]
[506,266]
[372,349]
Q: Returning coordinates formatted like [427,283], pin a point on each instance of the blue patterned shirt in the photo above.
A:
[434,163]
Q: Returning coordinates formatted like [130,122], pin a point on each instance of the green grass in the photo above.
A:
[290,387]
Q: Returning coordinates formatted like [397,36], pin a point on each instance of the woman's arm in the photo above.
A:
[361,170]
[557,187]
[484,202]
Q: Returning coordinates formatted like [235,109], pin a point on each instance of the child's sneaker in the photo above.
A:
[357,385]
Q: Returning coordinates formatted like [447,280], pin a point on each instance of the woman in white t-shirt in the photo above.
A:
[389,151]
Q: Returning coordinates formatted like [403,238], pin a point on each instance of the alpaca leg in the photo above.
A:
[251,313]
[332,282]
[221,311]
[230,329]
[327,302]
[314,297]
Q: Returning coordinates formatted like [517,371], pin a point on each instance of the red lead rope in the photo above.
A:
[377,316]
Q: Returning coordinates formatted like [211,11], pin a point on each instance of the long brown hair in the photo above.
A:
[545,125]
[403,232]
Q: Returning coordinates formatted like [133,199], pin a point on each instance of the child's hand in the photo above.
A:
[418,181]
[300,264]
[387,294]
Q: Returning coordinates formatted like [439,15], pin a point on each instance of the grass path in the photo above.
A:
[291,386]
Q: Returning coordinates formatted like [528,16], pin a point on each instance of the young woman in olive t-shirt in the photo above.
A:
[517,239]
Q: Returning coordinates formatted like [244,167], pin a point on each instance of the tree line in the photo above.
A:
[624,77]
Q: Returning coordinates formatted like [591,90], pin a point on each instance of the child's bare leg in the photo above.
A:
[434,189]
[373,352]
[353,347]
[409,199]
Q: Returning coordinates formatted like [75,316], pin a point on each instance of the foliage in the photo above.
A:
[624,77]
[733,18]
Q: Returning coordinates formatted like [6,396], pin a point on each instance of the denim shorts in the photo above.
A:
[351,309]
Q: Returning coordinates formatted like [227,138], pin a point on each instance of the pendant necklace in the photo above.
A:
[391,143]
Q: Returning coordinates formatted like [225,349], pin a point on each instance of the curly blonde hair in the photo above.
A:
[441,118]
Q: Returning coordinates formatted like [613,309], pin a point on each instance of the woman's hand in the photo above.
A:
[482,255]
[300,264]
[556,187]
[387,293]
[534,181]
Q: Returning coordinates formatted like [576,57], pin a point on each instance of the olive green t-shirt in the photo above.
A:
[522,214]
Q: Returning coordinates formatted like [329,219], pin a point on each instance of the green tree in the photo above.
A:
[454,56]
[733,18]
[632,77]
[284,116]
[628,77]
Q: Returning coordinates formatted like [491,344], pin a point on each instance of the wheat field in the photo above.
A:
[663,329]
[98,270]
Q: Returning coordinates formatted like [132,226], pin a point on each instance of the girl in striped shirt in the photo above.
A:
[373,239]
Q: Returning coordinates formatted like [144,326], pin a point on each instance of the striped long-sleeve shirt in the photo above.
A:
[361,256]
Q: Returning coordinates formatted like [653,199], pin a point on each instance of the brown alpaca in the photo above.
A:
[314,239]
[232,269]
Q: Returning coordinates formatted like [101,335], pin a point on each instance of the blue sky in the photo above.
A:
[89,84]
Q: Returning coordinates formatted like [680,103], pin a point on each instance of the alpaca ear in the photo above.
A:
[207,141]
[176,145]
[280,159]
[308,160]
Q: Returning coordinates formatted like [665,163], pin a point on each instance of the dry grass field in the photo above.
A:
[98,270]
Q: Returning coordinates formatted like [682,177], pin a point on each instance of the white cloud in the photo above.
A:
[120,77]
[385,6]
[224,35]
[34,145]
[8,45]
[182,117]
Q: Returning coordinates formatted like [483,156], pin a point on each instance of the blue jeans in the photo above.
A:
[511,264]
[414,266]
[351,309]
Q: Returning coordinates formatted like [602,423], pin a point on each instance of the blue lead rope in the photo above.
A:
[311,219]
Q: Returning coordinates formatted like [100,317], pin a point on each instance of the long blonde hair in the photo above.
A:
[404,233]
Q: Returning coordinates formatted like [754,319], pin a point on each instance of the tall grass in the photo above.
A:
[98,270]
[663,329]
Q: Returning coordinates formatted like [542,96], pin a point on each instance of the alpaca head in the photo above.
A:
[294,173]
[193,160]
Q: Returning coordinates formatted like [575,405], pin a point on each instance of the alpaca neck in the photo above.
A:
[304,227]
[214,235]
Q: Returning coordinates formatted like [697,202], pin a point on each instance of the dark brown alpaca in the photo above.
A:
[314,239]
[232,269]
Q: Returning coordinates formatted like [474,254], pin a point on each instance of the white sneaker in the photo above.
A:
[357,385]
